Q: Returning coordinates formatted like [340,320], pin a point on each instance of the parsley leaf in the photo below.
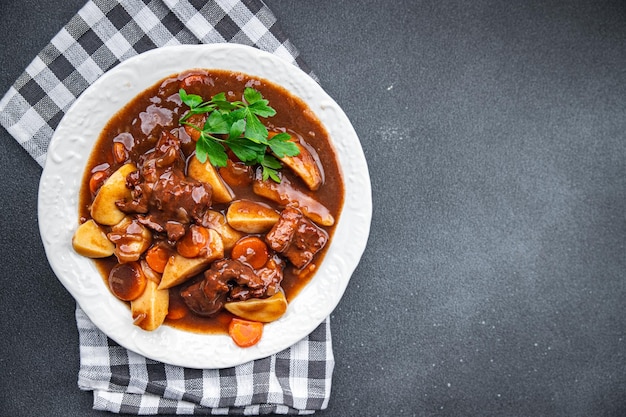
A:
[237,129]
[246,150]
[282,145]
[270,166]
[255,130]
[192,100]
[261,108]
[236,125]
[208,147]
[216,124]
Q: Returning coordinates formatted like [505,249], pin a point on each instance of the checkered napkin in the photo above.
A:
[102,34]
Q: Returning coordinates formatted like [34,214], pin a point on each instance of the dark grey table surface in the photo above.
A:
[494,279]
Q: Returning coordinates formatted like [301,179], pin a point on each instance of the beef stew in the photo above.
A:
[166,201]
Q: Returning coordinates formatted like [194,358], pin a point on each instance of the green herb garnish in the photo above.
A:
[239,128]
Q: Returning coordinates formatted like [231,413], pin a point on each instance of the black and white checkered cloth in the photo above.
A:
[102,34]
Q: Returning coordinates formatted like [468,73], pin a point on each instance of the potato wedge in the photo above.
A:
[91,241]
[304,166]
[286,193]
[179,269]
[150,308]
[251,216]
[217,222]
[207,173]
[256,309]
[103,209]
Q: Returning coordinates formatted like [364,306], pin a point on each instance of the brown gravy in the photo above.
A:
[138,125]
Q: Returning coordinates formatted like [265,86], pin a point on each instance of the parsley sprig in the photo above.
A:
[236,125]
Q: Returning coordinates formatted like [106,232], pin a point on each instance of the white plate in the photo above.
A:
[61,181]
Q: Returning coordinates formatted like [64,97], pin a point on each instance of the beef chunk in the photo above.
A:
[177,198]
[229,279]
[296,237]
[196,299]
[165,199]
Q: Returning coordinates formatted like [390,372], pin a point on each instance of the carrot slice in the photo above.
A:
[245,333]
[194,242]
[251,250]
[157,257]
[127,281]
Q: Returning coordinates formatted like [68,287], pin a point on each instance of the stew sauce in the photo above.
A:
[135,130]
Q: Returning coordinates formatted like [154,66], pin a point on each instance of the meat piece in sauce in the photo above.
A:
[229,279]
[163,197]
[296,237]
